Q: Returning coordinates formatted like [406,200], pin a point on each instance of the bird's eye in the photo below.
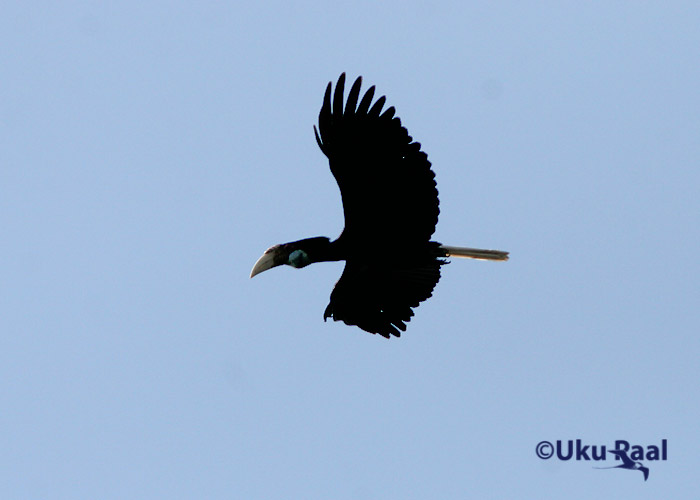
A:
[298,258]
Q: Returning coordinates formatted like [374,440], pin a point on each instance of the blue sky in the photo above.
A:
[149,153]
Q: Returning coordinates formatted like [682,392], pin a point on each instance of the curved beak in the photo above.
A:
[273,257]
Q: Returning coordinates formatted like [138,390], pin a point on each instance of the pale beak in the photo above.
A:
[273,257]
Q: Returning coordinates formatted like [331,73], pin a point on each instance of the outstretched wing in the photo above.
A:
[626,461]
[388,189]
[379,299]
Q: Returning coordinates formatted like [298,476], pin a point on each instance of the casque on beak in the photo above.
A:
[273,257]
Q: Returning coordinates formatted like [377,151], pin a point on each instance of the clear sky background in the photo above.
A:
[151,151]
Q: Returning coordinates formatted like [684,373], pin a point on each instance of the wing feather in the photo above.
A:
[338,97]
[366,101]
[377,108]
[352,97]
[389,113]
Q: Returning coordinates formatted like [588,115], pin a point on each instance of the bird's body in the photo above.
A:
[390,203]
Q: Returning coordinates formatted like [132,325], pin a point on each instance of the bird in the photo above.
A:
[627,463]
[390,205]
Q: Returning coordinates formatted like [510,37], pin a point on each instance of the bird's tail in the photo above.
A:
[473,253]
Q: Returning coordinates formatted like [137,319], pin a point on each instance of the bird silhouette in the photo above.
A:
[627,463]
[391,207]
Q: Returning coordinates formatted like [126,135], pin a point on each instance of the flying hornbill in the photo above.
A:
[390,203]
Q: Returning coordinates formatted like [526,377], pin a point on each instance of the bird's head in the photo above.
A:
[297,254]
